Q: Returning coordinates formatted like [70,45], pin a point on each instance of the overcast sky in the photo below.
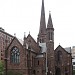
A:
[19,16]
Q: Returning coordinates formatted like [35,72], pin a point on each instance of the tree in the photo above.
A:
[1,68]
[73,72]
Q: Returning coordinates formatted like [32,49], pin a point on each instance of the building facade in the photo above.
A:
[38,58]
[73,57]
[5,40]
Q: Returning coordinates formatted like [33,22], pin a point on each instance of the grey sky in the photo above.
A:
[19,16]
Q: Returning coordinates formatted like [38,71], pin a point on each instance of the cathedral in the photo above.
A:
[38,58]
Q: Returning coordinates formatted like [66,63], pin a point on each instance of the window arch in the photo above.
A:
[50,35]
[59,54]
[38,62]
[15,55]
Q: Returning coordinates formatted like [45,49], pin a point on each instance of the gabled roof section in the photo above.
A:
[60,47]
[39,56]
[21,41]
[31,38]
[7,33]
[12,42]
[32,43]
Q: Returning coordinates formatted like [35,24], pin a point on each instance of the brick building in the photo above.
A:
[5,40]
[39,58]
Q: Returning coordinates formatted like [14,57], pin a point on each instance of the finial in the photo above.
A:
[59,43]
[29,32]
[49,11]
[14,34]
[24,34]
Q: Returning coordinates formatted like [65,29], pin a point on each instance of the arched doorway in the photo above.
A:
[58,71]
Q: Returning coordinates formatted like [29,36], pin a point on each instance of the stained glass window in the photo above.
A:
[15,55]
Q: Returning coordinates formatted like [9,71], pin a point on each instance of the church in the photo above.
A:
[38,58]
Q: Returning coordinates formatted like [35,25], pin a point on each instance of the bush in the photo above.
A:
[1,68]
[73,72]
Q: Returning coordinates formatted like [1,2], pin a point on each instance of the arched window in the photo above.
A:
[34,71]
[15,55]
[32,61]
[38,62]
[50,35]
[27,61]
[59,55]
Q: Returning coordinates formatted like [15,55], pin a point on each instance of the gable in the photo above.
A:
[32,43]
[64,55]
[15,42]
[59,48]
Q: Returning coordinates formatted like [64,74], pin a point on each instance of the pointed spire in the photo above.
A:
[24,34]
[29,32]
[24,43]
[50,24]
[42,20]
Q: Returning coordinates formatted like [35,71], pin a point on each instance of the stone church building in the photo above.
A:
[38,58]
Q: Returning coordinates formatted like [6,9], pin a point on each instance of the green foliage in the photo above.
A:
[1,68]
[73,72]
[9,72]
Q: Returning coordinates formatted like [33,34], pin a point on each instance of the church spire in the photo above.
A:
[42,20]
[50,24]
[42,31]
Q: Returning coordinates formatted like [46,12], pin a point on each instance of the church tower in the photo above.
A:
[42,31]
[50,30]
[46,40]
[50,46]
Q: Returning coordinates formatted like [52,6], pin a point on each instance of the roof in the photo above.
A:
[31,38]
[6,33]
[62,48]
[13,40]
[39,56]
[43,47]
[68,49]
[21,41]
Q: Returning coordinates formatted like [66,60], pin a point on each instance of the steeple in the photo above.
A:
[42,31]
[50,29]
[50,24]
[50,46]
[42,20]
